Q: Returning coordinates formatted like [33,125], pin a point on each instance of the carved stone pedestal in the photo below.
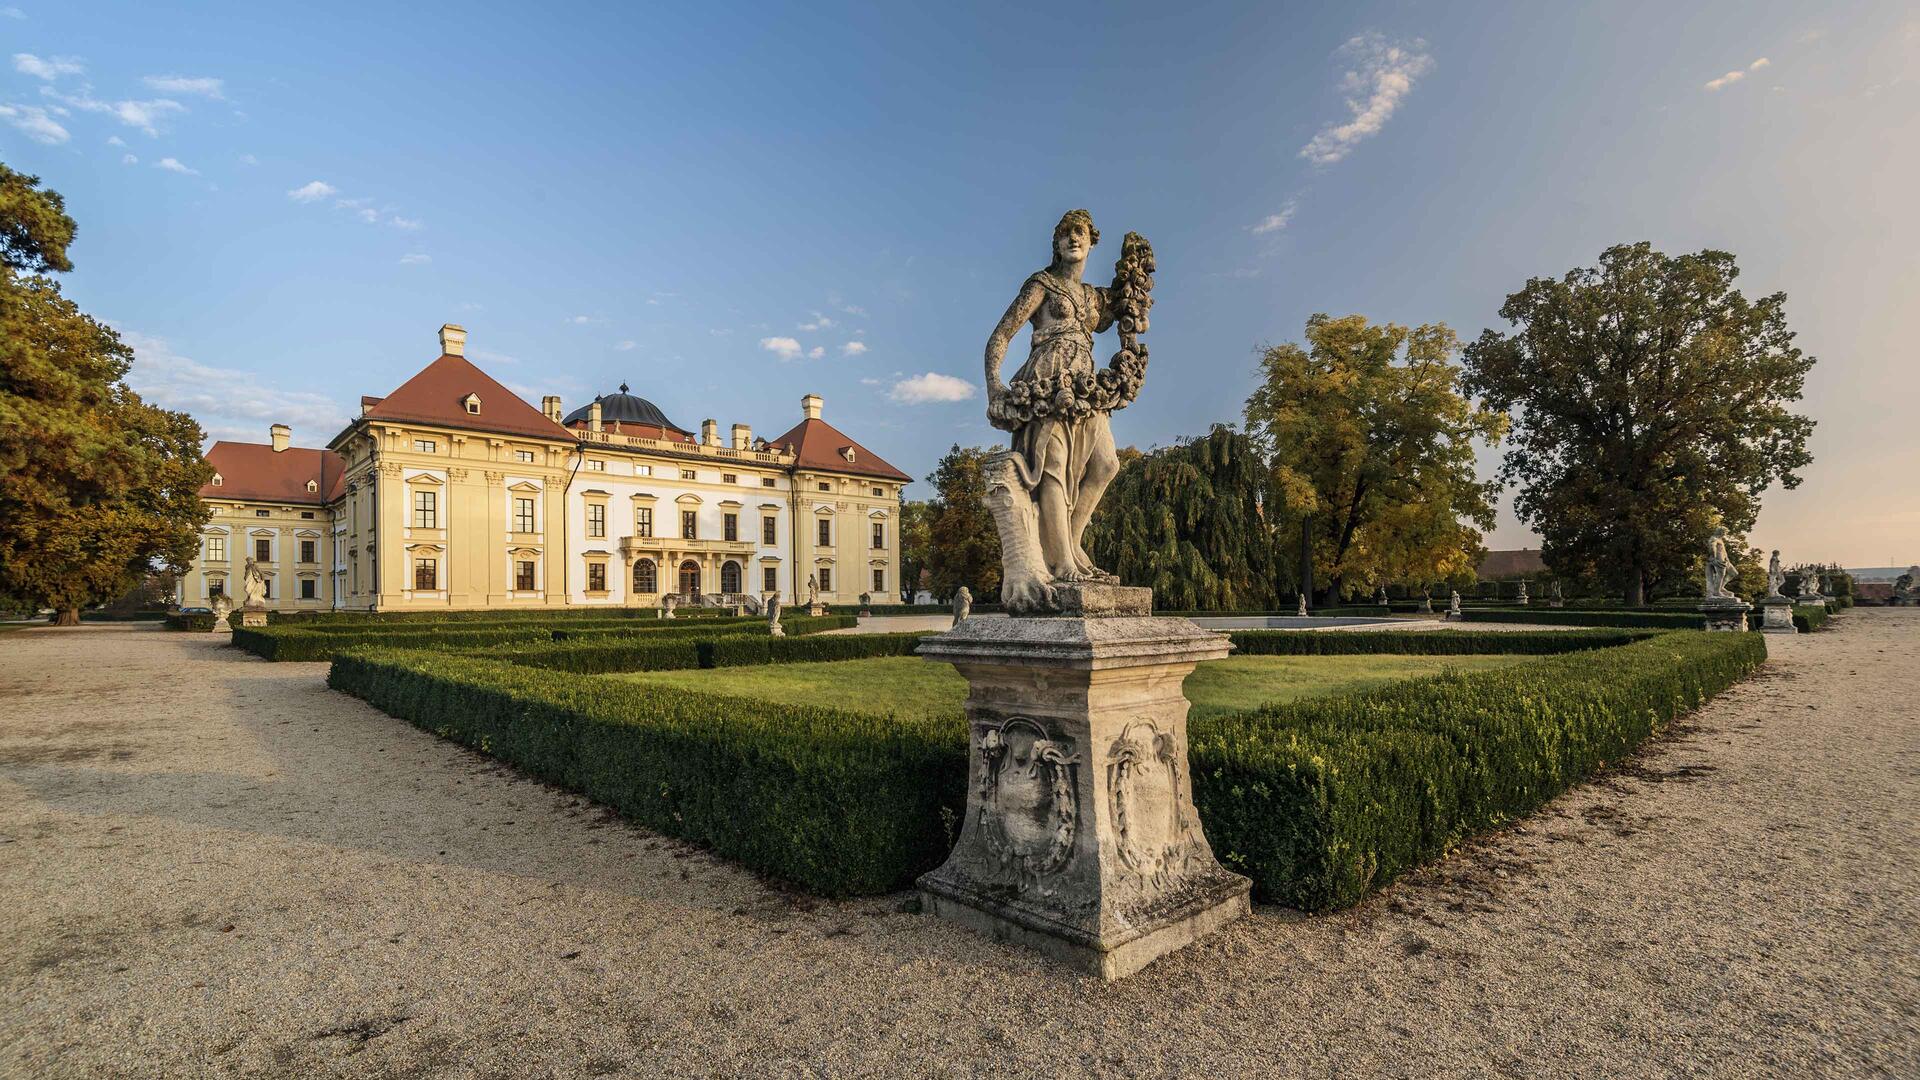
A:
[816,609]
[1080,837]
[1776,615]
[250,617]
[1725,613]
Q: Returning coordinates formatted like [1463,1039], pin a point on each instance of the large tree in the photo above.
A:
[97,487]
[1371,447]
[964,547]
[1651,403]
[916,544]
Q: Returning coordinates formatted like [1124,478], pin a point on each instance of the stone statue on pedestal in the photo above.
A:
[1380,596]
[1523,594]
[773,615]
[813,590]
[1301,611]
[962,605]
[253,584]
[1719,564]
[1044,491]
[1453,606]
[1426,600]
[1776,578]
[222,607]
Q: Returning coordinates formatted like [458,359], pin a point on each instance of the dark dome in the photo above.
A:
[627,409]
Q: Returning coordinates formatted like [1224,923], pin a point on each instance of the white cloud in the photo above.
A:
[415,258]
[48,68]
[627,346]
[1734,76]
[229,403]
[853,348]
[407,224]
[115,140]
[185,84]
[816,352]
[129,159]
[930,387]
[145,115]
[720,331]
[783,347]
[12,13]
[369,216]
[1276,222]
[820,322]
[871,382]
[35,123]
[1758,64]
[249,159]
[1382,76]
[172,164]
[312,191]
[582,320]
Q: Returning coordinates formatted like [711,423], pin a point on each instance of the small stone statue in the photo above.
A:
[1426,600]
[222,607]
[1301,613]
[1555,598]
[813,590]
[1057,405]
[1380,595]
[1718,565]
[255,584]
[1453,605]
[1776,578]
[1523,594]
[667,604]
[962,605]
[773,615]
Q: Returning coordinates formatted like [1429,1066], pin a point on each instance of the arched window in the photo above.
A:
[689,578]
[729,577]
[646,577]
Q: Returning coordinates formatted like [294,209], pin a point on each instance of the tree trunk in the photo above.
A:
[1636,588]
[67,617]
[1306,557]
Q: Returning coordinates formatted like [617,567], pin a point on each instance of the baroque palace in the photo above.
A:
[452,492]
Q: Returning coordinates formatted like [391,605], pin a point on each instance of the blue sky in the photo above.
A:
[280,207]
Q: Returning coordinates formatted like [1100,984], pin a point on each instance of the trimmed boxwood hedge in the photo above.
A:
[200,620]
[692,648]
[840,802]
[298,643]
[1320,801]
[1810,617]
[1667,620]
[1426,642]
[1323,800]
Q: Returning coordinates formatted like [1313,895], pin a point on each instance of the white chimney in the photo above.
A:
[453,340]
[282,437]
[550,405]
[742,437]
[810,405]
[593,415]
[710,432]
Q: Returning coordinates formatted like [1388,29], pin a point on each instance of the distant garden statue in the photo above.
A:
[1776,577]
[1044,491]
[1453,606]
[773,615]
[253,586]
[962,605]
[1718,565]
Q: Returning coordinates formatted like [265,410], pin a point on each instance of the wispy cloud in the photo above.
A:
[582,320]
[312,191]
[816,352]
[1276,222]
[229,403]
[820,322]
[626,346]
[1382,75]
[403,223]
[12,13]
[1734,76]
[46,67]
[174,165]
[785,348]
[930,387]
[145,115]
[200,86]
[129,159]
[34,122]
[853,348]
[415,258]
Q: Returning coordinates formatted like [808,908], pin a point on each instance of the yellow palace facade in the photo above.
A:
[452,492]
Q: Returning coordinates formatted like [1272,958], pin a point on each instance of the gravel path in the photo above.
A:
[211,865]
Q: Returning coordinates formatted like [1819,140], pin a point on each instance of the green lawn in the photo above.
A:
[910,685]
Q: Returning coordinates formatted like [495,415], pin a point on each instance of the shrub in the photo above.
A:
[201,621]
[692,647]
[838,802]
[1666,620]
[1323,800]
[1810,617]
[741,650]
[1426,642]
[297,643]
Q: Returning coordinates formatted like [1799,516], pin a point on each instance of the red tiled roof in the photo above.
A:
[435,396]
[254,472]
[1500,564]
[817,445]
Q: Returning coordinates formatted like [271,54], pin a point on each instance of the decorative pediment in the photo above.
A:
[770,506]
[823,508]
[596,493]
[877,513]
[731,503]
[263,532]
[307,534]
[532,553]
[688,499]
[425,478]
[643,497]
[525,485]
[425,547]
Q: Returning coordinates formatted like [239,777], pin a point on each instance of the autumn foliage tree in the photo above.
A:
[1651,404]
[97,487]
[1371,447]
[963,542]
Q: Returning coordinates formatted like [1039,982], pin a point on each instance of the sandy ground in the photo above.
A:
[210,865]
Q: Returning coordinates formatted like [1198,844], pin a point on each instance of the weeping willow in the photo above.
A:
[1186,521]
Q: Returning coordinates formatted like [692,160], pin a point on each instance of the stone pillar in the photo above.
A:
[1080,837]
[1725,613]
[1776,615]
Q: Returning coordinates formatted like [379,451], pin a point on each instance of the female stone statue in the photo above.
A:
[1718,564]
[254,585]
[1058,403]
[1775,578]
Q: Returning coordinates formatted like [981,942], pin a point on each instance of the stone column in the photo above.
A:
[1080,837]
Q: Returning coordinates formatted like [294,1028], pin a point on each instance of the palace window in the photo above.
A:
[426,574]
[425,446]
[766,481]
[307,514]
[426,510]
[261,513]
[643,522]
[770,578]
[309,589]
[596,577]
[266,587]
[768,531]
[216,549]
[596,465]
[263,551]
[689,525]
[729,577]
[643,470]
[824,486]
[879,536]
[215,587]
[824,527]
[646,577]
[522,515]
[307,551]
[826,578]
[730,530]
[879,493]
[686,474]
[596,520]
[879,581]
[523,456]
[729,478]
[523,575]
